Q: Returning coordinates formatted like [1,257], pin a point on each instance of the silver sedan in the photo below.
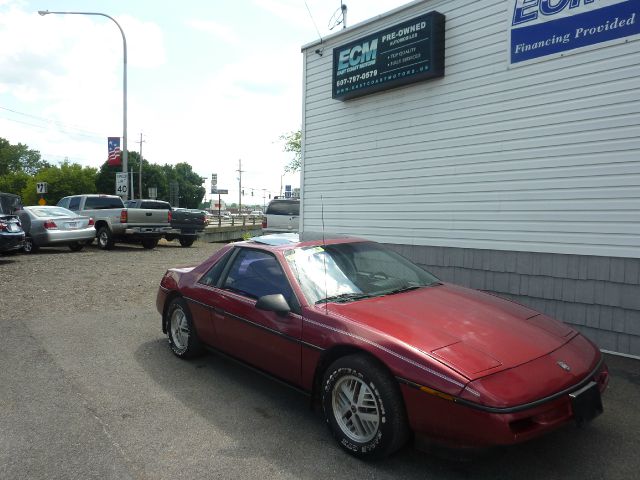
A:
[49,226]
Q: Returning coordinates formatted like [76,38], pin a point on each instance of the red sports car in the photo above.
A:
[385,347]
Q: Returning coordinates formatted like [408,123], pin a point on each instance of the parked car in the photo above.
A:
[256,213]
[384,346]
[185,223]
[49,226]
[11,233]
[282,215]
[114,222]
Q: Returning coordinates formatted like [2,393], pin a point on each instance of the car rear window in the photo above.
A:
[283,207]
[101,203]
[155,205]
[51,212]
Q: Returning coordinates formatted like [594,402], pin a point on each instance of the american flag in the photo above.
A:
[114,151]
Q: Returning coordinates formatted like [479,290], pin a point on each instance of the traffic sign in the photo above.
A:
[41,187]
[122,184]
[220,191]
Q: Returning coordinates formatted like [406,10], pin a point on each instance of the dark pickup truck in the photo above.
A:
[185,223]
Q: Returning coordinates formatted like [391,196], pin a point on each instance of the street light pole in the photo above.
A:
[125,155]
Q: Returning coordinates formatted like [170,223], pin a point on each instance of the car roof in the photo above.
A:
[304,239]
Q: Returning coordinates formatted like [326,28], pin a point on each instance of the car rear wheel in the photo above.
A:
[29,245]
[363,407]
[186,241]
[76,246]
[150,243]
[105,238]
[183,339]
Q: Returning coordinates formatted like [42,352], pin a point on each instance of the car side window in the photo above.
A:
[74,204]
[255,273]
[213,275]
[64,203]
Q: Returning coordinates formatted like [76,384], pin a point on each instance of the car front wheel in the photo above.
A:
[183,339]
[363,407]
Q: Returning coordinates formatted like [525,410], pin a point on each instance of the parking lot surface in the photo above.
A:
[90,389]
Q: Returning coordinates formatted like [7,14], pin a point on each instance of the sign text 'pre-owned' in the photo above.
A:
[540,28]
[405,53]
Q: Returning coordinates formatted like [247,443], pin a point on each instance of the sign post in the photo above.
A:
[219,192]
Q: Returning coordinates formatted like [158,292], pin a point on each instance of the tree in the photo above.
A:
[190,186]
[19,158]
[293,144]
[67,179]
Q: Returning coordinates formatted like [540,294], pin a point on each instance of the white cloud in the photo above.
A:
[218,30]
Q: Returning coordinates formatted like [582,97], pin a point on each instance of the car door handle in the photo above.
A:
[148,214]
[217,310]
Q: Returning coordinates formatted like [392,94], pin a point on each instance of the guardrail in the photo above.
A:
[237,221]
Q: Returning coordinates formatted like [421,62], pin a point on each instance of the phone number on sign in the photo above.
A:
[357,78]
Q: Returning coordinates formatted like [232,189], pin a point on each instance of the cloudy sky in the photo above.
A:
[209,82]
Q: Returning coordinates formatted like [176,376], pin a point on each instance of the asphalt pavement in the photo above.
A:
[96,393]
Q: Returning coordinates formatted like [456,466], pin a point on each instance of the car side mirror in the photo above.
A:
[273,303]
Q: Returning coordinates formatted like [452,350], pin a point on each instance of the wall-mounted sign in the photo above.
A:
[408,52]
[540,28]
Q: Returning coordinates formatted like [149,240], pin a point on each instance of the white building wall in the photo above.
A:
[543,157]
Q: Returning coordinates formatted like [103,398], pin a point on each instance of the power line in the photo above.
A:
[314,22]
[57,122]
[46,127]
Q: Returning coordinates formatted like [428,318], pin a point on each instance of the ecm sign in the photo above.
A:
[405,53]
[547,28]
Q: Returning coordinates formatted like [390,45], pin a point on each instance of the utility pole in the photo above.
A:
[140,175]
[240,186]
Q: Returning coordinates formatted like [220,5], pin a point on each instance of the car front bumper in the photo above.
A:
[455,422]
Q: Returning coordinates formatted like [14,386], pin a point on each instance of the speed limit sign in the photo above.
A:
[41,187]
[122,184]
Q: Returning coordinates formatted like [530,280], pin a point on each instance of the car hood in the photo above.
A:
[474,333]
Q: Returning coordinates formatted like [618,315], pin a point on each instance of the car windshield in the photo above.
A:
[351,271]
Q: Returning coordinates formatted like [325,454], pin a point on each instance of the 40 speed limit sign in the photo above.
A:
[122,188]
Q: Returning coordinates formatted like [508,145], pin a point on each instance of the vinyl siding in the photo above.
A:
[543,157]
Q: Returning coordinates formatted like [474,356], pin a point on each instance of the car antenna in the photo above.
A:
[324,257]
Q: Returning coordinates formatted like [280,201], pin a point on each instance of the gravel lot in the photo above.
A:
[89,389]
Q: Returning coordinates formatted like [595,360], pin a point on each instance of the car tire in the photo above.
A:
[76,246]
[105,238]
[150,243]
[186,242]
[29,245]
[170,238]
[363,407]
[183,339]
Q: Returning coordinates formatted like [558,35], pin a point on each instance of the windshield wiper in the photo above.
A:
[344,297]
[408,288]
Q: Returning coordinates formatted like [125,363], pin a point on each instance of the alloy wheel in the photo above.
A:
[179,329]
[355,409]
